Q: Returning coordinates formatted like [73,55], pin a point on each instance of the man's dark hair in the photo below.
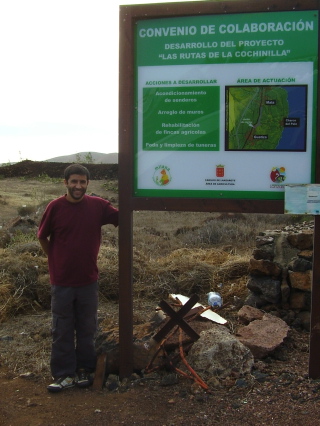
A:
[76,169]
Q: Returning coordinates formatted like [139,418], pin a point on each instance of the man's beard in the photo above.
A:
[76,194]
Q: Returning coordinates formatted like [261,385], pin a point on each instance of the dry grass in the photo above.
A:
[20,286]
[184,270]
[24,282]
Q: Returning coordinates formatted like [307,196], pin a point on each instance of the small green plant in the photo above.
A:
[111,185]
[45,178]
[88,159]
[20,237]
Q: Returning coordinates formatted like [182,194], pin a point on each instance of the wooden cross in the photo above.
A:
[176,318]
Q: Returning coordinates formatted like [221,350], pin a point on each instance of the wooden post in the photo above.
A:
[314,348]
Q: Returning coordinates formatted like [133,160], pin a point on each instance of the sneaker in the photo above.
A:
[84,379]
[61,383]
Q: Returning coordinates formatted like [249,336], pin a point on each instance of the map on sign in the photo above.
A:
[266,118]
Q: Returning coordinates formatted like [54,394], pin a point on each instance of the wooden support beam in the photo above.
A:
[177,318]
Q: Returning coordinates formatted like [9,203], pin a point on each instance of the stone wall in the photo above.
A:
[280,273]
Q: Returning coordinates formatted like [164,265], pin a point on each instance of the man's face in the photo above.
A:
[76,187]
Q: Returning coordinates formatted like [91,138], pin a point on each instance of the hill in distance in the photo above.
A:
[84,157]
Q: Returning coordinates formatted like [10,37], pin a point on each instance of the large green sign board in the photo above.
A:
[225,104]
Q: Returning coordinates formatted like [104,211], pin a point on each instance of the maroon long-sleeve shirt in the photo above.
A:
[74,231]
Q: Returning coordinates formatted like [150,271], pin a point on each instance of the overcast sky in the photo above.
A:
[58,77]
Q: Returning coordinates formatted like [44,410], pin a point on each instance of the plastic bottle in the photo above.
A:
[214,299]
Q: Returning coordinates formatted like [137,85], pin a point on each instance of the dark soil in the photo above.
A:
[33,169]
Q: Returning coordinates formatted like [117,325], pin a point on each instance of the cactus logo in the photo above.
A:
[278,174]
[162,176]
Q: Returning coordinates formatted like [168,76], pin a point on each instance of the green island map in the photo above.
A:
[265,118]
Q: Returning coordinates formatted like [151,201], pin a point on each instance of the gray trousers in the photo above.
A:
[74,325]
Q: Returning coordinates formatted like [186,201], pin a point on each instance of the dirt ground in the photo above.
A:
[278,391]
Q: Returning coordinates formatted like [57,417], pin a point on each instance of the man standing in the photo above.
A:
[70,235]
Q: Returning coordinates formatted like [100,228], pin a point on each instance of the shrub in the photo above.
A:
[26,210]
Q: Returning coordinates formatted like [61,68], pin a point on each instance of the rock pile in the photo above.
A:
[280,273]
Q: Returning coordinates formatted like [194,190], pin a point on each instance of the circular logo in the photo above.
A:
[278,174]
[161,176]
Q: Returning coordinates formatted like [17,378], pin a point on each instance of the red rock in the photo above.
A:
[263,336]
